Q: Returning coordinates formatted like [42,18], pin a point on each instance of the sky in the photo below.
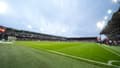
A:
[69,18]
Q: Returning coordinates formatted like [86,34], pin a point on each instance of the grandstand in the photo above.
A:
[88,39]
[27,35]
[112,29]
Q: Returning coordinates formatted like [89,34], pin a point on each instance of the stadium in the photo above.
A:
[29,49]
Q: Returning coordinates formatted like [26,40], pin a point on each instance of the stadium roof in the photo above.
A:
[113,25]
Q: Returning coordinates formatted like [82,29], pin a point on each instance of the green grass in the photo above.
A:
[116,63]
[116,48]
[91,51]
[36,54]
[86,50]
[12,56]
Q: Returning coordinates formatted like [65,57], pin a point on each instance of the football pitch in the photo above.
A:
[45,54]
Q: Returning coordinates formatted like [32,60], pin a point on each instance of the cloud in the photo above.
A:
[59,3]
[59,17]
[29,26]
[52,27]
[115,1]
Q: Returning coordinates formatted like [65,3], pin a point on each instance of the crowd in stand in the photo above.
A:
[26,35]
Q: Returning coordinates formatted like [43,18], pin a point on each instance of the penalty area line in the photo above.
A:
[111,61]
[79,58]
[109,49]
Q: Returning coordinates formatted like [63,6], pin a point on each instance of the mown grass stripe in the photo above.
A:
[83,59]
[110,50]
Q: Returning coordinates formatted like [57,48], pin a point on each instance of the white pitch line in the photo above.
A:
[111,61]
[78,57]
[3,42]
[108,49]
